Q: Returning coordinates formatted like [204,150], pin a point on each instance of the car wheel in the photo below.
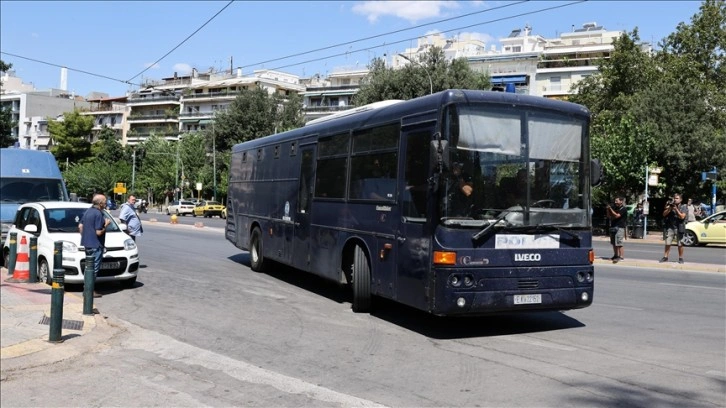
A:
[257,260]
[361,281]
[177,213]
[167,211]
[194,214]
[129,283]
[44,274]
[689,238]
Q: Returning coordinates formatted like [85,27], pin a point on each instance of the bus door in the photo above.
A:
[413,239]
[301,237]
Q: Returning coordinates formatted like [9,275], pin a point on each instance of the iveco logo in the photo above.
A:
[528,257]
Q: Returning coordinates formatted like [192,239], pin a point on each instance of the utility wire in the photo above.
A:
[68,68]
[383,34]
[298,54]
[447,31]
[180,44]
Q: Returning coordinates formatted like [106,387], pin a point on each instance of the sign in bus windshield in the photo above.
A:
[457,203]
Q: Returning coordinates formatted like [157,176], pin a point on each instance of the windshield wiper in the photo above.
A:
[490,226]
[555,226]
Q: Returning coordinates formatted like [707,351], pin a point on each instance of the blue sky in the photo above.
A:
[118,41]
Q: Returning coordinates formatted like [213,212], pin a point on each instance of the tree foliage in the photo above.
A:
[6,116]
[664,109]
[431,73]
[71,137]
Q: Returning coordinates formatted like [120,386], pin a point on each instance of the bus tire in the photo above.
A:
[257,260]
[361,282]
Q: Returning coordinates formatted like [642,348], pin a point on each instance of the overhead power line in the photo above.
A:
[180,44]
[315,50]
[446,31]
[384,34]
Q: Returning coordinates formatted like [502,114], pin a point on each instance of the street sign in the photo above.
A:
[653,180]
[656,170]
[199,186]
[120,188]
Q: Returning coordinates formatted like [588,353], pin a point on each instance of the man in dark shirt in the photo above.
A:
[93,233]
[674,216]
[618,217]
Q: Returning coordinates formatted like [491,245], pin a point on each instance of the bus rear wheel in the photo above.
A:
[257,260]
[361,281]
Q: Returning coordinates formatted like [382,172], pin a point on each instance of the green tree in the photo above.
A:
[429,73]
[95,176]
[71,137]
[107,148]
[6,116]
[6,127]
[251,115]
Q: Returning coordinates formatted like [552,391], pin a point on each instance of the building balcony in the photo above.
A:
[149,133]
[211,95]
[151,99]
[327,109]
[153,118]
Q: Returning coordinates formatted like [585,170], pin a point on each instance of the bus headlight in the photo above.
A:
[455,281]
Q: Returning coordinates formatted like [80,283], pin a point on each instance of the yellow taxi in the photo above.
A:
[710,230]
[208,209]
[224,213]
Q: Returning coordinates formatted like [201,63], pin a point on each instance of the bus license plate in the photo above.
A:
[527,299]
[110,265]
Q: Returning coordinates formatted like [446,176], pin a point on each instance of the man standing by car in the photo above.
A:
[674,215]
[129,217]
[93,233]
[618,218]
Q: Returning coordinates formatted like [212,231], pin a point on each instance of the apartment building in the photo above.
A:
[109,112]
[31,112]
[200,102]
[326,95]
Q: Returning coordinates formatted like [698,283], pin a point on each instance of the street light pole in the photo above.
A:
[431,83]
[214,162]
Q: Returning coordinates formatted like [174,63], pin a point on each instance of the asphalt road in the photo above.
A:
[201,328]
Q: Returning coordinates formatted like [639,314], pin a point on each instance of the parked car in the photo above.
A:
[180,207]
[208,209]
[710,230]
[52,221]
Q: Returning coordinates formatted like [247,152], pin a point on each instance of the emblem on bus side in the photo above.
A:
[286,217]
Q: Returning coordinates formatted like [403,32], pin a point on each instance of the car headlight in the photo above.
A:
[129,244]
[69,247]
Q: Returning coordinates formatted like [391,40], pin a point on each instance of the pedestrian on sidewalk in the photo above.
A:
[130,217]
[93,233]
[674,216]
[618,215]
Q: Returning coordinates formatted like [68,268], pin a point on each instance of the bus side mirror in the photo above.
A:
[596,173]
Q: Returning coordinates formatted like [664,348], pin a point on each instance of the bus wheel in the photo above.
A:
[257,260]
[361,282]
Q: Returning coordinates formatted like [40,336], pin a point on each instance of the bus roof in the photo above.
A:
[386,112]
[28,163]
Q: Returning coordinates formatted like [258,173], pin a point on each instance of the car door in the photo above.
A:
[715,229]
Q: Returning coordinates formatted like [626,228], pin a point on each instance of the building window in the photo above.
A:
[555,83]
[517,49]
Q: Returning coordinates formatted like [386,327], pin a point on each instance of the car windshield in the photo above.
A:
[523,166]
[67,219]
[213,203]
[186,203]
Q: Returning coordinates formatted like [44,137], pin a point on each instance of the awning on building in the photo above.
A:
[205,121]
[509,80]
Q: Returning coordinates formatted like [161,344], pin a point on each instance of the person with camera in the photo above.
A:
[618,216]
[674,216]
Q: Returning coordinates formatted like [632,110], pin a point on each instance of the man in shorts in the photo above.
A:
[618,215]
[674,216]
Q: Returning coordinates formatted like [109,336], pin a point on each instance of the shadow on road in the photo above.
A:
[419,321]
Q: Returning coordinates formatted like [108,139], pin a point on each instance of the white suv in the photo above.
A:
[53,221]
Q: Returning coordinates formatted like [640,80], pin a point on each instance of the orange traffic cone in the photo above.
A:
[22,263]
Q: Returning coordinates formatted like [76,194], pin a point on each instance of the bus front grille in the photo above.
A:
[526,284]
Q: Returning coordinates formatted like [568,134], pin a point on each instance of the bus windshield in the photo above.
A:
[516,167]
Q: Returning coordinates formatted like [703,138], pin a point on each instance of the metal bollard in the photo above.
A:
[33,261]
[56,294]
[89,282]
[13,246]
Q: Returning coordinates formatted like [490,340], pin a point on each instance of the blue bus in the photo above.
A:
[27,175]
[457,203]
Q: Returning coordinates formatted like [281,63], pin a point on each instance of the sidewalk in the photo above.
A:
[25,317]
